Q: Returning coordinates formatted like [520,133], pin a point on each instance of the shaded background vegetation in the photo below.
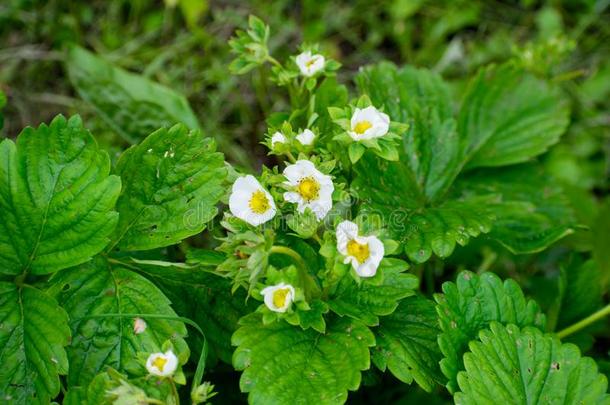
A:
[184,46]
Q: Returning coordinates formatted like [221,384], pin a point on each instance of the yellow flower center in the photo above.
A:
[310,62]
[359,251]
[159,362]
[279,297]
[308,188]
[259,203]
[361,127]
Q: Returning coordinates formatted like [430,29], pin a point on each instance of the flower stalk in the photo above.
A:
[583,323]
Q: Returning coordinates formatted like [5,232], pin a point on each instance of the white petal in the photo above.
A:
[246,183]
[370,114]
[375,248]
[302,60]
[304,168]
[310,64]
[268,292]
[317,65]
[298,170]
[380,123]
[366,269]
[356,117]
[239,201]
[239,204]
[306,137]
[172,363]
[292,197]
[376,252]
[278,137]
[168,369]
[346,231]
[321,207]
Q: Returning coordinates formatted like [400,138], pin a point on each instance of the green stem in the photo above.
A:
[291,157]
[309,284]
[283,250]
[489,258]
[174,392]
[596,316]
[20,279]
[273,60]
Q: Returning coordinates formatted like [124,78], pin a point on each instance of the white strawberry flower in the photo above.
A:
[278,298]
[306,137]
[368,123]
[162,364]
[139,325]
[363,252]
[310,188]
[250,202]
[309,64]
[278,137]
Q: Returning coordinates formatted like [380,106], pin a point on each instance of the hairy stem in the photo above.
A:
[309,284]
[284,250]
[596,316]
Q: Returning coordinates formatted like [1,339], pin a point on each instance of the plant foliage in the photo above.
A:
[147,268]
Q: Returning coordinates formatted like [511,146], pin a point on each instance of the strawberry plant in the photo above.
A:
[124,280]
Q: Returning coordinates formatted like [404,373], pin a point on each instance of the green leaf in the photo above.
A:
[470,305]
[601,240]
[93,394]
[130,104]
[407,343]
[509,116]
[314,316]
[206,299]
[391,193]
[421,99]
[376,296]
[438,229]
[56,198]
[329,95]
[103,288]
[355,151]
[33,333]
[386,186]
[583,292]
[282,363]
[531,211]
[528,367]
[172,183]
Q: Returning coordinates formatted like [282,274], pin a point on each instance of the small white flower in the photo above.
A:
[312,188]
[363,252]
[368,123]
[162,364]
[139,326]
[250,202]
[306,137]
[278,137]
[278,297]
[310,64]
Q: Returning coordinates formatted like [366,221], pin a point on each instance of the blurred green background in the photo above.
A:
[182,44]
